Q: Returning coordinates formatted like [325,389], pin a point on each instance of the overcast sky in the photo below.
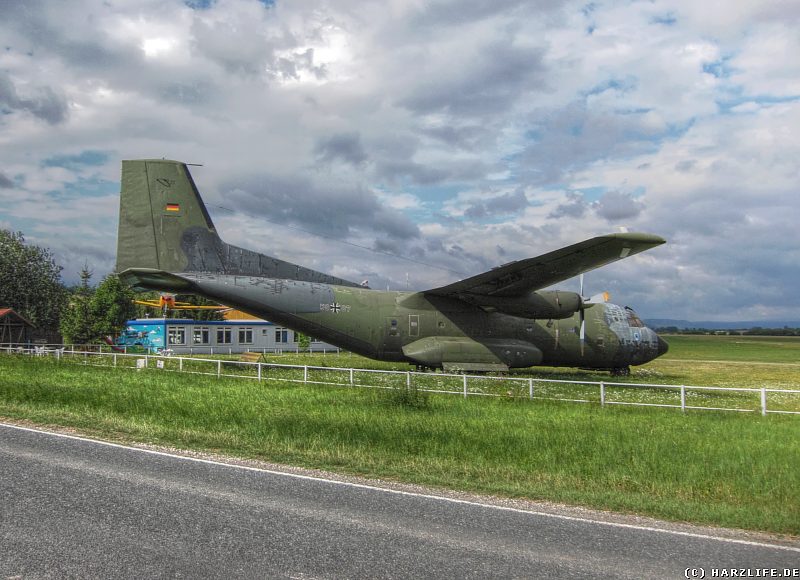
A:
[458,135]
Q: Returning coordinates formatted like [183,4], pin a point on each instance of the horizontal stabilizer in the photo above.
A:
[150,279]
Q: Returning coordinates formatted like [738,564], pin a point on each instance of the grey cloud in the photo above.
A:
[5,182]
[399,248]
[88,48]
[45,103]
[508,203]
[457,12]
[615,205]
[335,211]
[575,207]
[187,93]
[420,174]
[394,161]
[252,47]
[291,67]
[572,137]
[236,46]
[468,138]
[498,75]
[344,147]
[499,205]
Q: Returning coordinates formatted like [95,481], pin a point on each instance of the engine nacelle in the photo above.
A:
[545,304]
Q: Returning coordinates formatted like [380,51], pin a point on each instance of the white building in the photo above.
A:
[182,335]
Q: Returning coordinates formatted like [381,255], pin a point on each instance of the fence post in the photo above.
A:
[408,379]
[530,388]
[683,398]
[219,368]
[465,386]
[352,382]
[180,364]
[602,394]
[259,371]
[115,360]
[305,373]
[764,401]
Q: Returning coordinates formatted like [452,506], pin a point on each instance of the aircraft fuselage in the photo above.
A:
[435,331]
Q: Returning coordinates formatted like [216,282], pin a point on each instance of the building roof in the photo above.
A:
[190,322]
[9,312]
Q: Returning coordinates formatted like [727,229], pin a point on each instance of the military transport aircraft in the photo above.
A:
[490,322]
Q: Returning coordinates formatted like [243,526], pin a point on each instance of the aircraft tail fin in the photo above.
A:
[164,226]
[159,206]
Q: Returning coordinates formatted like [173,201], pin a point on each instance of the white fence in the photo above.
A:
[683,397]
[183,349]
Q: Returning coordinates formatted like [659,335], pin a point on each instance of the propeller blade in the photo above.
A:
[583,330]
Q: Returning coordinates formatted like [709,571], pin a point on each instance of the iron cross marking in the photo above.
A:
[336,307]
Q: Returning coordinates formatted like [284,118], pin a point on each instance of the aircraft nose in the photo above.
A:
[663,346]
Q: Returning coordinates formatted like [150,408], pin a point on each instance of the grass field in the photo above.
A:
[724,469]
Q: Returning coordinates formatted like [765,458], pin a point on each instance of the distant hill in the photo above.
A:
[715,325]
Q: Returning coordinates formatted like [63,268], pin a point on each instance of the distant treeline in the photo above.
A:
[755,331]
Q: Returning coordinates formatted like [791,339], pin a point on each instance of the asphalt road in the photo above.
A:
[76,508]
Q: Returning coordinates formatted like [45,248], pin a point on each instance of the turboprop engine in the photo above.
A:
[548,304]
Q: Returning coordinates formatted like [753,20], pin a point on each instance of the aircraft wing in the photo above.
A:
[517,278]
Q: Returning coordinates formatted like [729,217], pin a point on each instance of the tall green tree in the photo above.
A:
[77,321]
[30,281]
[111,306]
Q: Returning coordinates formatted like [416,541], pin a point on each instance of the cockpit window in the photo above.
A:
[633,319]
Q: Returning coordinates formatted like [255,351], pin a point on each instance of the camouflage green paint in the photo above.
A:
[494,320]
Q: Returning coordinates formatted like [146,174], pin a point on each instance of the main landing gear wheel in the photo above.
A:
[620,371]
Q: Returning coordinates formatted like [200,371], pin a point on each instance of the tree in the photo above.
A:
[111,306]
[77,321]
[303,341]
[30,281]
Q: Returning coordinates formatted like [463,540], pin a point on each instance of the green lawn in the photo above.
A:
[723,469]
[761,349]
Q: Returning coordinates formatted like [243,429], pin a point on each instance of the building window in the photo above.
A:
[245,336]
[224,336]
[177,335]
[281,335]
[200,335]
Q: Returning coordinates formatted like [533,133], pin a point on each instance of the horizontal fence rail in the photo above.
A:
[219,349]
[683,397]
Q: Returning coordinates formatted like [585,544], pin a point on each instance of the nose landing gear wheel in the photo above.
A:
[620,371]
